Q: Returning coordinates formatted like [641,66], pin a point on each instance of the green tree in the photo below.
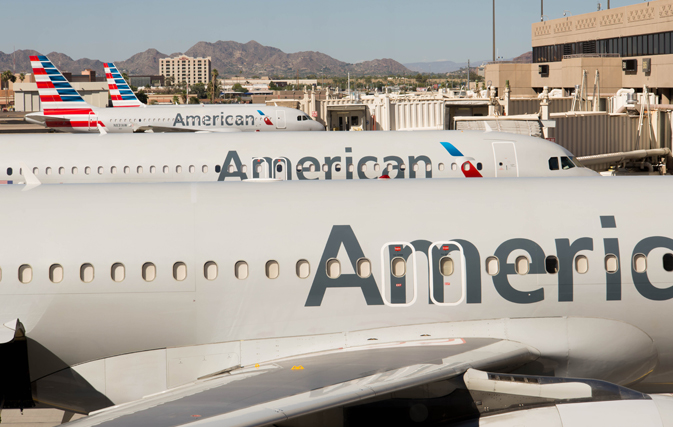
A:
[193,100]
[183,96]
[238,88]
[176,100]
[5,77]
[22,77]
[169,81]
[200,90]
[142,96]
[214,85]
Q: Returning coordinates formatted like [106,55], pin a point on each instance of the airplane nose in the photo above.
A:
[318,126]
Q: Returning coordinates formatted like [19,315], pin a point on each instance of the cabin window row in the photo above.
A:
[377,167]
[125,169]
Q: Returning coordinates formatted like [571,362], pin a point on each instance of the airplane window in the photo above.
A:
[492,265]
[178,169]
[311,167]
[428,167]
[640,263]
[61,170]
[139,169]
[153,169]
[551,264]
[210,270]
[258,168]
[337,167]
[86,273]
[553,163]
[566,163]
[279,167]
[192,169]
[364,268]
[415,168]
[231,169]
[303,269]
[9,171]
[74,170]
[577,162]
[179,271]
[377,167]
[611,265]
[581,264]
[56,273]
[127,169]
[522,265]
[272,269]
[454,167]
[333,268]
[100,170]
[363,168]
[351,168]
[446,266]
[299,168]
[87,170]
[118,272]
[398,266]
[244,169]
[25,273]
[298,118]
[48,171]
[325,167]
[149,272]
[217,168]
[204,169]
[113,169]
[165,169]
[440,166]
[478,166]
[668,262]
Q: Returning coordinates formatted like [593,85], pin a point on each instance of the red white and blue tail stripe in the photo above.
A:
[120,92]
[61,104]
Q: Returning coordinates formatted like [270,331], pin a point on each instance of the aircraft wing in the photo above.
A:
[276,391]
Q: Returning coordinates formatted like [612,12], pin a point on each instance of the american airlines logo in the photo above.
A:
[563,263]
[205,120]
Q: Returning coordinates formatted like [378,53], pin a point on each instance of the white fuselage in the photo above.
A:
[330,155]
[290,299]
[163,118]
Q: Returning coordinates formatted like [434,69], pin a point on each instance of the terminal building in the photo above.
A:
[186,69]
[629,47]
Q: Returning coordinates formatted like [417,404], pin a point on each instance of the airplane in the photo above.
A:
[302,156]
[501,302]
[63,109]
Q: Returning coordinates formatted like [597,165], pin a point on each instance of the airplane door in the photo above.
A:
[280,119]
[281,169]
[504,154]
[448,274]
[398,268]
[261,167]
[92,122]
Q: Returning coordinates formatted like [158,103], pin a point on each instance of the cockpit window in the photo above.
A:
[298,118]
[566,163]
[553,163]
[577,162]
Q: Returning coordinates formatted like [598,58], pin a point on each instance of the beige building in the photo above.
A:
[630,47]
[186,69]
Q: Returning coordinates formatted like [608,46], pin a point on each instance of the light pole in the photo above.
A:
[493,30]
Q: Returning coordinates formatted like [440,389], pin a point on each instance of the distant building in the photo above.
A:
[186,69]
[147,81]
[630,47]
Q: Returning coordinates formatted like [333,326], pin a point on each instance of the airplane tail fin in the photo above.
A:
[57,96]
[120,91]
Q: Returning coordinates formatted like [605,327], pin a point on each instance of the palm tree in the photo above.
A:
[22,76]
[213,86]
[176,100]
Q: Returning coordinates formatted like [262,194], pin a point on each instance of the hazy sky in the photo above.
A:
[348,30]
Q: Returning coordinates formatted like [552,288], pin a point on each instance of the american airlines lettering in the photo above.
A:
[214,120]
[566,251]
[233,166]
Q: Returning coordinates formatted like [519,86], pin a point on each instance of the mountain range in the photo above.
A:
[228,57]
[449,66]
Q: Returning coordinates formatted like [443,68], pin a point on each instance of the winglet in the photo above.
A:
[488,128]
[31,179]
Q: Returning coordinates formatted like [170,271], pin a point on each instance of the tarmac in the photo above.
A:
[14,122]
